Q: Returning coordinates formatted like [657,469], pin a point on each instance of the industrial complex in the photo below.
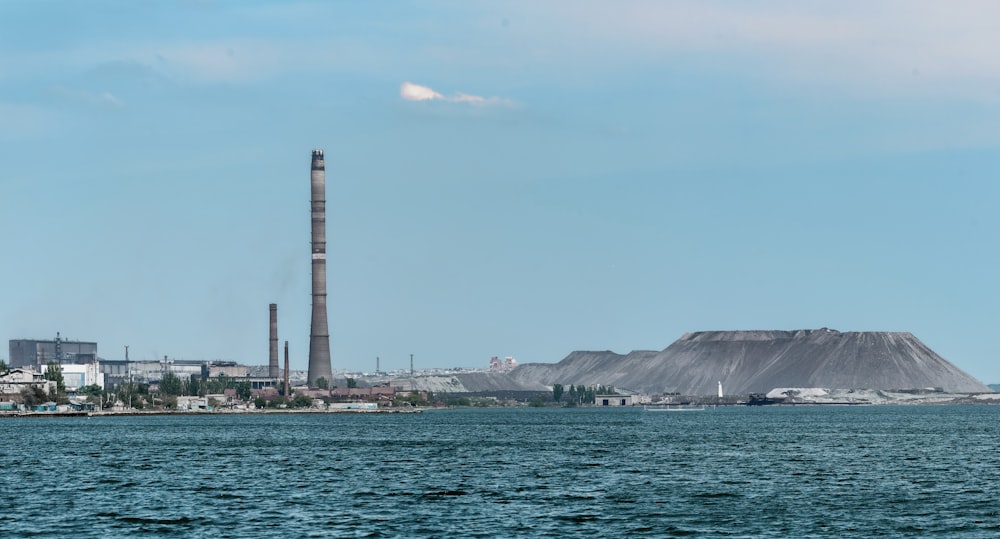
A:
[48,373]
[80,366]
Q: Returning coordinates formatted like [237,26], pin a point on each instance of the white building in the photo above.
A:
[77,376]
[17,379]
[614,400]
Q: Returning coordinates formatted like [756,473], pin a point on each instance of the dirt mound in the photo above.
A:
[758,361]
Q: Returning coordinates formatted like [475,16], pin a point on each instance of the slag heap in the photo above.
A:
[758,361]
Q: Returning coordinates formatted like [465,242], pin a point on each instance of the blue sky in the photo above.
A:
[503,178]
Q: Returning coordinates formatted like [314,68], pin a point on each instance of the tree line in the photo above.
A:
[134,394]
[580,394]
[34,395]
[139,395]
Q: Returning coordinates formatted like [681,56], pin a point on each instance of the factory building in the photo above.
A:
[79,361]
[149,371]
[76,376]
[82,367]
[36,354]
[227,369]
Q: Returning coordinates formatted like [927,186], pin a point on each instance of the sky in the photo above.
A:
[511,178]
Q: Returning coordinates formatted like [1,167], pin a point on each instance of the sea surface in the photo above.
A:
[811,471]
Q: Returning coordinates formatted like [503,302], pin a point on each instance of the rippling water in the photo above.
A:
[727,472]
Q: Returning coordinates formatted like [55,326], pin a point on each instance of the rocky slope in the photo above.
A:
[758,361]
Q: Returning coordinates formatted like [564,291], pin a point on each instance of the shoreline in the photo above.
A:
[138,413]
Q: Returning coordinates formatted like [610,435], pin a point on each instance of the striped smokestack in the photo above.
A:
[319,333]
[272,358]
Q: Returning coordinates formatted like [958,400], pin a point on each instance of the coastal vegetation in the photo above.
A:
[53,373]
[33,396]
[140,396]
[560,395]
[577,395]
[414,398]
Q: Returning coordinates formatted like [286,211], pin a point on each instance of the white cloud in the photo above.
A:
[416,92]
[466,98]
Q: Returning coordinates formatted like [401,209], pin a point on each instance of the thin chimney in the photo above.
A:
[272,363]
[286,370]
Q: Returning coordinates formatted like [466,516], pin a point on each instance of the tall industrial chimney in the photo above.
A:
[287,394]
[319,334]
[272,358]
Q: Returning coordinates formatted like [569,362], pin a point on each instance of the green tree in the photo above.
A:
[53,372]
[572,394]
[277,402]
[352,383]
[94,393]
[3,366]
[33,396]
[302,401]
[215,385]
[414,398]
[322,383]
[170,402]
[557,392]
[195,386]
[536,402]
[131,394]
[171,385]
[244,390]
[93,390]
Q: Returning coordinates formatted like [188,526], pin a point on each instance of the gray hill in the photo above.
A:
[483,382]
[758,361]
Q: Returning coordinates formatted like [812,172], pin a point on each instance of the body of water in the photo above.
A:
[890,471]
